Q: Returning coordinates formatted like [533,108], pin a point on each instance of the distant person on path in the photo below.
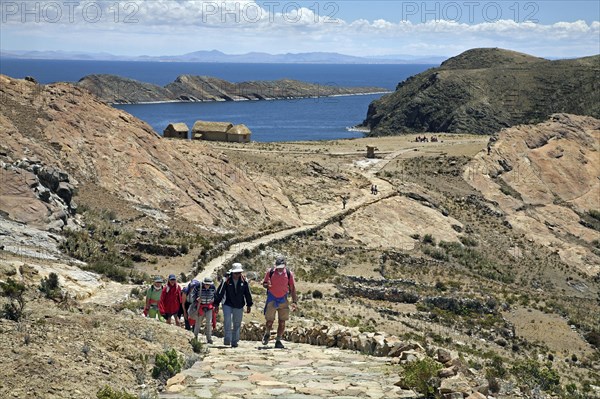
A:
[375,189]
[152,298]
[235,291]
[170,300]
[279,282]
[204,298]
[344,201]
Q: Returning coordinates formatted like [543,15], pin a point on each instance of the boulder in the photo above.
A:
[455,384]
[65,192]
[443,356]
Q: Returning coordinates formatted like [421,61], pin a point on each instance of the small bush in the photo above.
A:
[417,376]
[108,393]
[196,345]
[468,241]
[184,249]
[593,337]
[316,294]
[436,253]
[166,365]
[183,277]
[50,286]
[428,239]
[440,285]
[14,291]
[533,374]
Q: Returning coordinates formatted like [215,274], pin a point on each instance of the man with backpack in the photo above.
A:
[235,291]
[279,282]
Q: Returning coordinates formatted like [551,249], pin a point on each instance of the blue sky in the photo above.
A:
[168,27]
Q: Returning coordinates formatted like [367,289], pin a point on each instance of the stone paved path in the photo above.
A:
[300,371]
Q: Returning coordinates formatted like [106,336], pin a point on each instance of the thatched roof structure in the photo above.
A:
[239,129]
[205,126]
[178,127]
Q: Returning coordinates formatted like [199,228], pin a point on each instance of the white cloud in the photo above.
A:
[242,25]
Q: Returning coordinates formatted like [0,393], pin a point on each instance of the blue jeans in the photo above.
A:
[232,316]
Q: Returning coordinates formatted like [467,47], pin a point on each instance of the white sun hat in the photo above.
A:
[236,268]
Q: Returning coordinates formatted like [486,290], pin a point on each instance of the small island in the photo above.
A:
[115,89]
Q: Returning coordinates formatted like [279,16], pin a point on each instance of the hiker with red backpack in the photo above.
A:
[234,292]
[279,282]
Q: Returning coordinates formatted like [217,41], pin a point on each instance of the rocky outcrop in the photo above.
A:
[545,180]
[188,88]
[484,90]
[36,194]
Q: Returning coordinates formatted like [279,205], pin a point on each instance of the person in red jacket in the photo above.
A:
[170,300]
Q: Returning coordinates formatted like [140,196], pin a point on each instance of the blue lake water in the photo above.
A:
[280,120]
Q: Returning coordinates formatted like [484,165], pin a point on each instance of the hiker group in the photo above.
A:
[198,302]
[424,139]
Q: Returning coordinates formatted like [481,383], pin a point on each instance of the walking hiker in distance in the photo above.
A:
[279,282]
[152,298]
[234,291]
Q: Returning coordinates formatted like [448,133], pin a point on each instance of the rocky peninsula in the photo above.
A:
[188,88]
[484,90]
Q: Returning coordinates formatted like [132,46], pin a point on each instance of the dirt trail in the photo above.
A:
[368,169]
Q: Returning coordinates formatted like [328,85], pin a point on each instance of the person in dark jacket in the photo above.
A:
[234,291]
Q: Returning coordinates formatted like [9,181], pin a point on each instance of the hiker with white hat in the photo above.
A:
[279,282]
[234,292]
[203,299]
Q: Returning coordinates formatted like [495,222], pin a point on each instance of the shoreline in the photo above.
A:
[247,99]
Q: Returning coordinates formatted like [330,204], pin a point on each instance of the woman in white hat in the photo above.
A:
[235,292]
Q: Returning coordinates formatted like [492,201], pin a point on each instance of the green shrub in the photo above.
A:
[316,294]
[417,375]
[167,364]
[184,249]
[428,239]
[196,345]
[534,375]
[108,393]
[183,277]
[436,253]
[468,241]
[14,291]
[50,286]
[594,213]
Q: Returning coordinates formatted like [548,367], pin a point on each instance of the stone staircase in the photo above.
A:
[299,371]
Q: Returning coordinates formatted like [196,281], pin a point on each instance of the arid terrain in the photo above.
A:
[492,253]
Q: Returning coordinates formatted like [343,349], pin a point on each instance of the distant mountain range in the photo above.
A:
[218,56]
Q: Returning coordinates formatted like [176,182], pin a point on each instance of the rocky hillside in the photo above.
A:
[484,90]
[117,89]
[546,179]
[111,153]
